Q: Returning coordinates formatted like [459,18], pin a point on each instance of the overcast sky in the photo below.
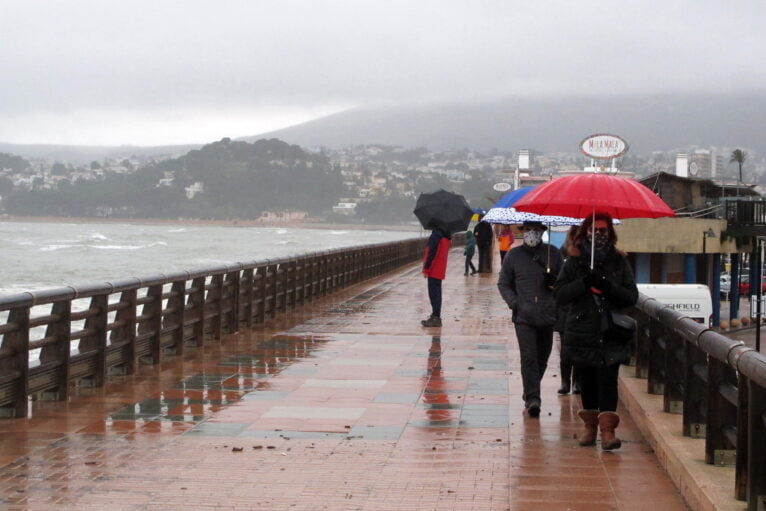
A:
[151,72]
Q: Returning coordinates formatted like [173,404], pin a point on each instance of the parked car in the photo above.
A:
[725,285]
[744,285]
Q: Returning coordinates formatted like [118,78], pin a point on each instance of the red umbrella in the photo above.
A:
[584,194]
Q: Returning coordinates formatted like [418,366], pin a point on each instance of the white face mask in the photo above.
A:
[532,238]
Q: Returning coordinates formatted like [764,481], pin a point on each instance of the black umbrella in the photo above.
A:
[446,210]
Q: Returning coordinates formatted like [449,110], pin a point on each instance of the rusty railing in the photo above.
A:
[718,384]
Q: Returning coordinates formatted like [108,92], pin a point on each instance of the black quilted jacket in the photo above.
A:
[583,343]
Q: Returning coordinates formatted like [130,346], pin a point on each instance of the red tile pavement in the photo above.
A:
[345,404]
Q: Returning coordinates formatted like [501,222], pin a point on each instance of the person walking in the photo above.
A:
[587,291]
[435,269]
[484,236]
[468,251]
[568,374]
[504,241]
[526,284]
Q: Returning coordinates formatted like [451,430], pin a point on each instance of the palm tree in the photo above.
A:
[739,156]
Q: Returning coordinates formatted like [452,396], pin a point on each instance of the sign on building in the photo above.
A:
[603,146]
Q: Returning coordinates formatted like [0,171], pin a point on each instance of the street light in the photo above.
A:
[710,233]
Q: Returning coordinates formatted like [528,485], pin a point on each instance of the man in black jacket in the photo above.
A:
[484,236]
[526,284]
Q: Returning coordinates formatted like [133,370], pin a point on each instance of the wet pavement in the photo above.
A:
[344,404]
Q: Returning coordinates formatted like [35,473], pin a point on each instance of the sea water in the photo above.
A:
[43,255]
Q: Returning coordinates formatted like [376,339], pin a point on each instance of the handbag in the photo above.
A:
[615,325]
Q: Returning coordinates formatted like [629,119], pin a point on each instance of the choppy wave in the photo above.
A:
[117,247]
[53,248]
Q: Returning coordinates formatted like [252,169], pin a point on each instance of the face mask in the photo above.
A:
[599,240]
[532,238]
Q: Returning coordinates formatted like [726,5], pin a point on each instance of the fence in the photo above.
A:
[718,384]
[56,337]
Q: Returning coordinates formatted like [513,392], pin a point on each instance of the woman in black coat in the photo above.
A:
[585,291]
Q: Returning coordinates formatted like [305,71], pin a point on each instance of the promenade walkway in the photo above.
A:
[344,404]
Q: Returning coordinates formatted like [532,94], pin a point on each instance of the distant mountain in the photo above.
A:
[86,154]
[650,122]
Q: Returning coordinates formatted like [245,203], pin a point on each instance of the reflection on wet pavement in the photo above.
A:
[346,403]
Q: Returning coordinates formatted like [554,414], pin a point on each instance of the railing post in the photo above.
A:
[232,284]
[59,352]
[675,370]
[300,279]
[695,397]
[247,287]
[153,309]
[271,288]
[197,306]
[128,315]
[656,374]
[722,398]
[18,363]
[260,282]
[643,345]
[215,300]
[740,473]
[176,319]
[756,472]
[290,283]
[97,341]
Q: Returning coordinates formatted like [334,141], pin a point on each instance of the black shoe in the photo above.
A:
[432,321]
[564,388]
[533,408]
[465,274]
[474,272]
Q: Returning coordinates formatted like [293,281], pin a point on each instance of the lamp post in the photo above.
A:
[710,233]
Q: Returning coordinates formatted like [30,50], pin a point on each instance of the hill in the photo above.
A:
[649,123]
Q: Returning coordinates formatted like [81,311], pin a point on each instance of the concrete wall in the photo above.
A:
[673,236]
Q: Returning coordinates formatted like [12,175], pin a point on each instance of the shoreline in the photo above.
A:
[208,223]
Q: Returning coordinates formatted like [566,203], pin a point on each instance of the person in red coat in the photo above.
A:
[435,269]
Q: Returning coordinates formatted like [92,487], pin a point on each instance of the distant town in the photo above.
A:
[364,183]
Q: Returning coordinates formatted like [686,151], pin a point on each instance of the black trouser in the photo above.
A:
[535,344]
[599,387]
[485,258]
[469,264]
[502,256]
[435,295]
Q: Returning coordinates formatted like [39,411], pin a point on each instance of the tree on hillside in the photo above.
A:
[13,162]
[739,156]
[59,169]
[6,186]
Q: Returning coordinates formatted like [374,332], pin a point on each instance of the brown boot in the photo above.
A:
[590,418]
[608,422]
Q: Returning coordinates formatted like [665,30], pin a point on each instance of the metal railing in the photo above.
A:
[745,213]
[718,384]
[54,338]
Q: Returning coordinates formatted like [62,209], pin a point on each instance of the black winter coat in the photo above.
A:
[523,286]
[582,341]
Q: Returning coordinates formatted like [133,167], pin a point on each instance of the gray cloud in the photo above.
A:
[152,62]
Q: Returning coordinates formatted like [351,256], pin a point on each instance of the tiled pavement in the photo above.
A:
[345,404]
